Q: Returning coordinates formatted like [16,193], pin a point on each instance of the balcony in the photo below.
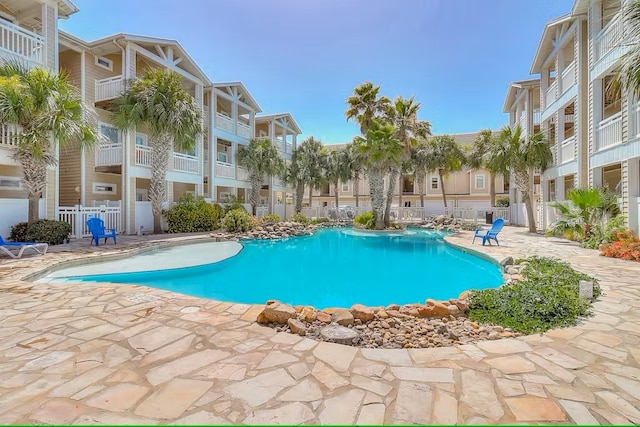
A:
[537,115]
[233,126]
[550,94]
[109,88]
[568,77]
[8,136]
[109,154]
[20,43]
[609,131]
[205,116]
[567,152]
[635,120]
[608,38]
[242,174]
[143,155]
[225,123]
[244,130]
[225,170]
[186,163]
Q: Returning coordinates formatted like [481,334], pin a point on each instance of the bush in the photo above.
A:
[502,202]
[603,233]
[42,231]
[301,218]
[193,214]
[625,246]
[237,220]
[547,297]
[270,219]
[232,203]
[321,220]
[364,220]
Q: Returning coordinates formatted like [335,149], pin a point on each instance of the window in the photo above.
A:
[103,62]
[222,157]
[225,196]
[104,188]
[142,195]
[435,183]
[345,186]
[141,139]
[12,182]
[479,181]
[110,132]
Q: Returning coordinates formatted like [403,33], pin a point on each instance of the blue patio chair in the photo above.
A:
[7,248]
[491,233]
[96,227]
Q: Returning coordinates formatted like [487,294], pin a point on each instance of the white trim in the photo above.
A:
[5,180]
[97,60]
[475,184]
[143,194]
[96,190]
[109,125]
[345,184]
[437,181]
[224,195]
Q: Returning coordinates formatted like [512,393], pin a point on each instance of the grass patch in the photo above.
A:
[547,297]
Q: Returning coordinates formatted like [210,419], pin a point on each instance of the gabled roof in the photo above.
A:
[274,116]
[546,41]
[66,8]
[513,91]
[580,7]
[107,42]
[243,89]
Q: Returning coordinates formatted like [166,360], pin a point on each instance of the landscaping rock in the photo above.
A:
[323,317]
[308,314]
[342,316]
[277,312]
[297,327]
[507,261]
[338,334]
[362,312]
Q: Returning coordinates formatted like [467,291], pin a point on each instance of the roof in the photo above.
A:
[193,69]
[580,7]
[513,91]
[546,41]
[274,116]
[250,99]
[66,8]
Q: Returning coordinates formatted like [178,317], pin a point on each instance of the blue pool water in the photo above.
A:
[333,267]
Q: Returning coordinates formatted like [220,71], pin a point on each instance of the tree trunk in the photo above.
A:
[254,195]
[400,182]
[393,176]
[34,209]
[376,183]
[444,195]
[528,202]
[492,189]
[160,150]
[299,195]
[356,188]
[420,179]
[34,179]
[335,190]
[310,194]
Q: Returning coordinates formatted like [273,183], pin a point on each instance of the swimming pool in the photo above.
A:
[333,267]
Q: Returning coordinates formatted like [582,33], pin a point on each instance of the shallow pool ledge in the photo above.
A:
[467,249]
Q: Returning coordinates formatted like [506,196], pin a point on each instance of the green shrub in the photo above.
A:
[237,220]
[43,231]
[547,297]
[270,219]
[364,220]
[502,202]
[321,220]
[232,203]
[193,214]
[301,218]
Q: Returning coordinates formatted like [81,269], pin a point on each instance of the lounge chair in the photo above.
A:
[7,247]
[491,233]
[96,227]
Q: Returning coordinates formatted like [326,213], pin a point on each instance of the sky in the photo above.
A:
[305,57]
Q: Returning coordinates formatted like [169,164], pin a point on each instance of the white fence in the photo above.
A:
[21,42]
[109,88]
[13,211]
[78,215]
[609,131]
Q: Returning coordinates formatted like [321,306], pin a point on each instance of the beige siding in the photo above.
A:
[51,25]
[95,72]
[180,188]
[69,166]
[69,62]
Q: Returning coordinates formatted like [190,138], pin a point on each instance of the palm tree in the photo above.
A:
[262,160]
[338,168]
[480,156]
[382,150]
[44,108]
[629,75]
[522,157]
[446,156]
[421,162]
[292,174]
[365,105]
[311,164]
[159,101]
[357,161]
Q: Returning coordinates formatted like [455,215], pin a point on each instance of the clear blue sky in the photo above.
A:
[306,56]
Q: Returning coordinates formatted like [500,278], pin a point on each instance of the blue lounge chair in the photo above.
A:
[491,233]
[8,247]
[96,227]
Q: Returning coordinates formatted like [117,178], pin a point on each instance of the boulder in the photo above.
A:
[308,314]
[426,311]
[338,334]
[342,316]
[297,327]
[409,310]
[439,309]
[453,310]
[395,307]
[507,261]
[462,305]
[278,313]
[323,317]
[463,295]
[382,314]
[362,312]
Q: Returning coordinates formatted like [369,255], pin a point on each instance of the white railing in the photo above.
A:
[21,42]
[225,170]
[289,148]
[77,217]
[8,136]
[224,122]
[186,163]
[568,77]
[109,88]
[205,115]
[242,174]
[609,131]
[567,152]
[478,214]
[244,130]
[537,115]
[109,154]
[608,38]
[550,94]
[554,153]
[635,119]
[143,155]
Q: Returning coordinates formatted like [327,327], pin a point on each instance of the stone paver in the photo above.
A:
[89,353]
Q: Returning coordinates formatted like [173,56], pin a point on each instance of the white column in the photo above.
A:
[559,134]
[633,193]
[83,154]
[252,124]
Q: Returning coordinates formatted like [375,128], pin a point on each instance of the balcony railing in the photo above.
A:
[568,77]
[21,43]
[8,136]
[554,153]
[186,163]
[244,130]
[635,119]
[567,152]
[242,174]
[225,170]
[109,154]
[609,131]
[550,94]
[609,37]
[109,88]
[143,155]
[537,115]
[224,122]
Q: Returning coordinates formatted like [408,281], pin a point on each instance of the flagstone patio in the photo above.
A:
[111,353]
